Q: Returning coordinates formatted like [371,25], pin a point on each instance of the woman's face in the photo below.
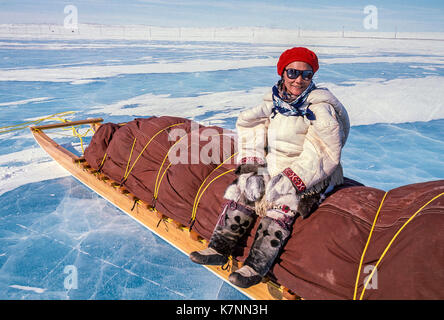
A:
[298,85]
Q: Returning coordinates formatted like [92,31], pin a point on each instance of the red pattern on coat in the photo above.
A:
[299,184]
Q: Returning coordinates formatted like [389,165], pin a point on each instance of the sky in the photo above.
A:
[391,15]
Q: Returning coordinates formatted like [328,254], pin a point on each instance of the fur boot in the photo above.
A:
[272,233]
[270,238]
[236,218]
[233,223]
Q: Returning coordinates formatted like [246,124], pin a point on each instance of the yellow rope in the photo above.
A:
[55,116]
[193,213]
[25,125]
[79,135]
[129,159]
[148,143]
[199,196]
[158,182]
[389,245]
[103,160]
[156,191]
[366,245]
[75,133]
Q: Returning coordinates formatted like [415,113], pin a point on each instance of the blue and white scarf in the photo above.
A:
[288,106]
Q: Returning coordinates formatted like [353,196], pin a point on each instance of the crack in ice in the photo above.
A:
[77,248]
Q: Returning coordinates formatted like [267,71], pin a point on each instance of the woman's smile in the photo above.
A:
[296,86]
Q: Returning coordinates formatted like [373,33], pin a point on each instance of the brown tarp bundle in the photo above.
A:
[321,258]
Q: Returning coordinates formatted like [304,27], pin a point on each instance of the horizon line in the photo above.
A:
[300,28]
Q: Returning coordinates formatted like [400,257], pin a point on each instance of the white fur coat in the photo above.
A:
[310,148]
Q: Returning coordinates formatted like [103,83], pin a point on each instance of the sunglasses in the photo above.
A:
[294,74]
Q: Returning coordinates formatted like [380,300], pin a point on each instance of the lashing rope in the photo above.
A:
[127,172]
[200,194]
[159,181]
[129,159]
[79,135]
[160,176]
[103,162]
[24,125]
[387,247]
[196,203]
[55,116]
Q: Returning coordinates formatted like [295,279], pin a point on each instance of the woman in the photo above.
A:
[289,158]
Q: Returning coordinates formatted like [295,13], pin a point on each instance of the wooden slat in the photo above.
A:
[67,124]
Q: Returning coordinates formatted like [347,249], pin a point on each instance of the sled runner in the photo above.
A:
[361,242]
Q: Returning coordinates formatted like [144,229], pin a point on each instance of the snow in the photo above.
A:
[26,288]
[85,74]
[363,107]
[392,90]
[15,103]
[35,170]
[375,101]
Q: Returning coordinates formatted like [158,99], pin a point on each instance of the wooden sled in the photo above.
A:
[171,231]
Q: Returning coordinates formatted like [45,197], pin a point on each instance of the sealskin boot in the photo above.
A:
[209,256]
[234,221]
[270,238]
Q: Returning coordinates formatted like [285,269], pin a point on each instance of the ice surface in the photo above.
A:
[387,156]
[114,256]
[79,74]
[49,221]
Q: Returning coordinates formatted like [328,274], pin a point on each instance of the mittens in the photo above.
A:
[278,187]
[251,180]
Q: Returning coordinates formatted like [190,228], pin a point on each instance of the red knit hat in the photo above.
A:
[297,54]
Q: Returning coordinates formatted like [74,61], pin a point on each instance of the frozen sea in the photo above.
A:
[53,230]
